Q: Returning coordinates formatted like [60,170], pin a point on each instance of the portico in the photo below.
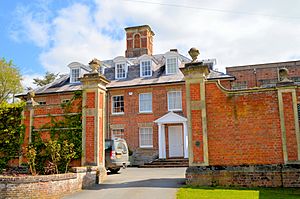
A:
[177,135]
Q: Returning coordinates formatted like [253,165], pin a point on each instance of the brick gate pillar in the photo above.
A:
[93,116]
[195,76]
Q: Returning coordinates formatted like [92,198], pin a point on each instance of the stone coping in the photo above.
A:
[245,168]
[37,178]
[47,178]
[84,169]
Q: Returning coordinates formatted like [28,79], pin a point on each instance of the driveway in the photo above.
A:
[137,183]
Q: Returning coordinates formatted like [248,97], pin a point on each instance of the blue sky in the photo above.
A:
[46,35]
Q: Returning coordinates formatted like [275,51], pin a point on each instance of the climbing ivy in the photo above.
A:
[66,128]
[11,132]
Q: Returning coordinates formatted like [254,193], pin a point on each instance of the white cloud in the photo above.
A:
[76,38]
[80,32]
[27,80]
[30,25]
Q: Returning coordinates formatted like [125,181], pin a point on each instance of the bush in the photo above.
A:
[11,132]
[31,156]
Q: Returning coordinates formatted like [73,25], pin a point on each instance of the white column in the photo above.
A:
[163,136]
[185,140]
[160,152]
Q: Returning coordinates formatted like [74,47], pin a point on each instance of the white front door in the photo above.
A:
[175,141]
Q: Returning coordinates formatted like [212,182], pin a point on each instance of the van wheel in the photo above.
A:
[115,170]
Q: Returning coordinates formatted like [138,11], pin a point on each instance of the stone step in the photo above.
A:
[170,163]
[162,166]
[167,163]
[171,160]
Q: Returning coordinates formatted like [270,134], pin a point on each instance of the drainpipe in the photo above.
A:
[254,71]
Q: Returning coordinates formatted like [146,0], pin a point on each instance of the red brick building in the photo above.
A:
[262,75]
[166,106]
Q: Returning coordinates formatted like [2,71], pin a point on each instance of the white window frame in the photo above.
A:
[120,130]
[180,100]
[117,76]
[167,65]
[143,67]
[113,103]
[72,78]
[140,103]
[140,137]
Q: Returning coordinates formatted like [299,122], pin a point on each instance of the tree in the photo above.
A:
[10,80]
[47,79]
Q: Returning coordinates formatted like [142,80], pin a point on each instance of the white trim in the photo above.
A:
[72,80]
[170,118]
[147,111]
[125,70]
[177,65]
[140,140]
[141,71]
[180,100]
[112,105]
[185,141]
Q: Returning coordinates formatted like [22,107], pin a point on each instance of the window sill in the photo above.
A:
[145,113]
[145,76]
[117,114]
[146,147]
[175,110]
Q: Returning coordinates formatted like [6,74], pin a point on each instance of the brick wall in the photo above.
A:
[245,176]
[257,75]
[243,128]
[48,186]
[41,115]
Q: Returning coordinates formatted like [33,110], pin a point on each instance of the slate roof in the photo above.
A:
[159,76]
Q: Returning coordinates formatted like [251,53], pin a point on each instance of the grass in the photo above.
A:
[189,192]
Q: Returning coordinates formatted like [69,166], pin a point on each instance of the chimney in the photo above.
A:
[174,50]
[139,41]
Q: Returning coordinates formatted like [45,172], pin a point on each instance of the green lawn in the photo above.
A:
[237,193]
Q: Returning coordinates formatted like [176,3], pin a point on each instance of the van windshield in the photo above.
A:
[122,147]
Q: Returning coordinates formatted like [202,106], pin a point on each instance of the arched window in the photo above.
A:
[137,41]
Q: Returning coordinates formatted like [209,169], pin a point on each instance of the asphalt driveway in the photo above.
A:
[137,183]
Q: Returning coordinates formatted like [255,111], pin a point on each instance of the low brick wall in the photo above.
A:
[50,186]
[245,176]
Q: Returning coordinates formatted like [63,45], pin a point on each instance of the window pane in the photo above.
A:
[118,104]
[117,133]
[120,71]
[146,137]
[145,102]
[75,75]
[174,100]
[146,68]
[171,65]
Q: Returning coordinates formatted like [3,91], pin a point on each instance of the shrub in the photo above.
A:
[11,132]
[31,157]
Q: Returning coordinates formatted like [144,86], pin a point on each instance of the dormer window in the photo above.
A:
[171,65]
[75,72]
[101,69]
[145,68]
[120,70]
